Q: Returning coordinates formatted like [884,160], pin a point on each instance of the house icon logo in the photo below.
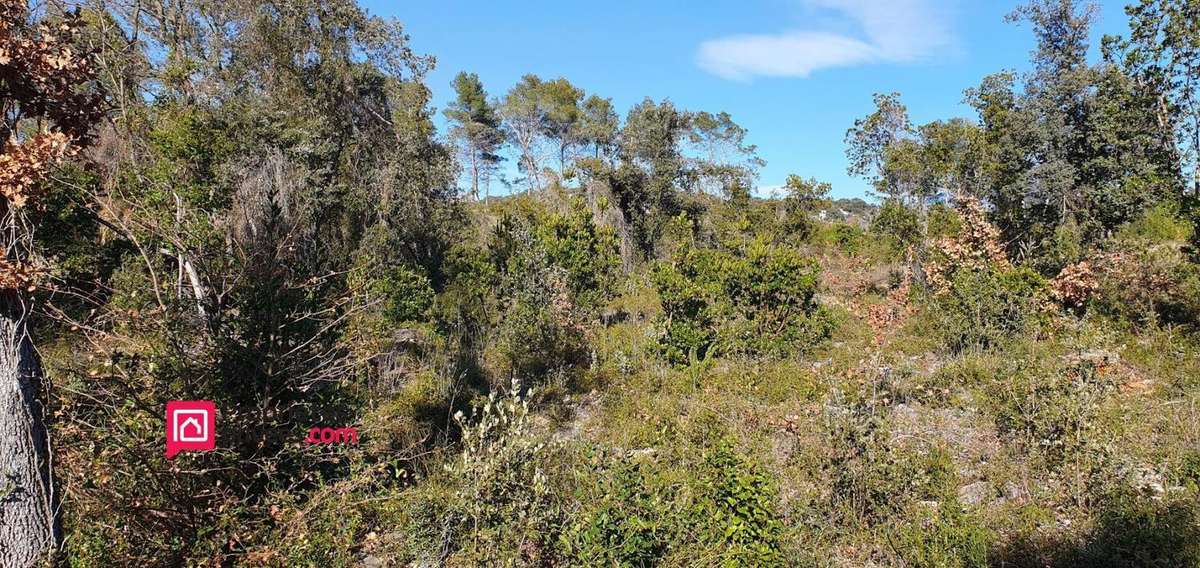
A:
[191,426]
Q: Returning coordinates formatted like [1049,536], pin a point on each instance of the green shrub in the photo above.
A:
[942,221]
[1065,246]
[387,329]
[1051,413]
[774,293]
[716,302]
[537,339]
[624,522]
[804,196]
[324,532]
[690,313]
[586,252]
[545,270]
[849,238]
[1160,224]
[981,308]
[739,510]
[468,301]
[1149,284]
[944,537]
[899,225]
[527,244]
[1188,470]
[405,295]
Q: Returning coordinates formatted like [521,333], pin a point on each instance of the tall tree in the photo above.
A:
[1057,92]
[525,123]
[598,126]
[914,165]
[477,128]
[314,191]
[1162,54]
[724,160]
[957,156]
[1073,150]
[50,102]
[868,141]
[652,139]
[803,197]
[653,167]
[946,158]
[559,101]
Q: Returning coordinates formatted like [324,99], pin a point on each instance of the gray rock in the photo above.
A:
[1013,491]
[1096,357]
[1148,481]
[975,493]
[372,562]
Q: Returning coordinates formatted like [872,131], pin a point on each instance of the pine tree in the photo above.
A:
[476,126]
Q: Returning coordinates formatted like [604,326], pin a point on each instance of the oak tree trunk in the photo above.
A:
[29,529]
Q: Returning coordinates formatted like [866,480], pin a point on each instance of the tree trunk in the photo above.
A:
[612,217]
[474,173]
[29,529]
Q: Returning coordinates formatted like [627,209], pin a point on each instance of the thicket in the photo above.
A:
[629,359]
[760,301]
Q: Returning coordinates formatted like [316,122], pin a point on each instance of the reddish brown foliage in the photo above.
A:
[887,316]
[1075,284]
[24,165]
[977,246]
[1136,278]
[41,74]
[43,78]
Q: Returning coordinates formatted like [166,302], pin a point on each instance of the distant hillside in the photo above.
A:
[852,209]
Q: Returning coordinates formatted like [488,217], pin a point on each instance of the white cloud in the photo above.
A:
[893,31]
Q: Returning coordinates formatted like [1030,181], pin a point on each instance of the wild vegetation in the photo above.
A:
[623,357]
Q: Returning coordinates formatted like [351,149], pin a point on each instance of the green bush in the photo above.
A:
[530,242]
[774,293]
[625,521]
[1065,246]
[1051,413]
[468,301]
[405,295]
[945,537]
[692,292]
[715,302]
[804,196]
[849,238]
[537,340]
[739,510]
[1160,224]
[899,225]
[1146,284]
[1188,470]
[586,252]
[982,308]
[942,221]
[551,273]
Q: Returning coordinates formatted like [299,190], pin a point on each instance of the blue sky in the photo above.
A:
[795,73]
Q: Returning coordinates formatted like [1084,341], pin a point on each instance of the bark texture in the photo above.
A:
[29,529]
